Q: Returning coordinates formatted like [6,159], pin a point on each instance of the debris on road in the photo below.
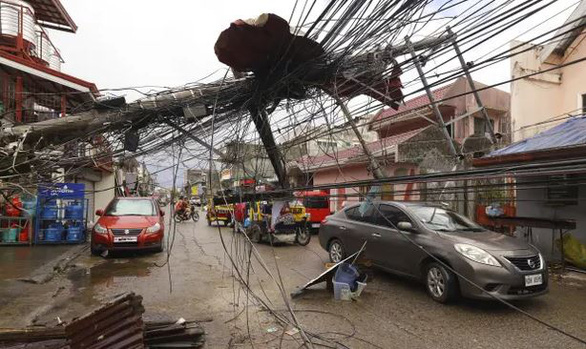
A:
[117,324]
[272,329]
[292,331]
[348,282]
[327,275]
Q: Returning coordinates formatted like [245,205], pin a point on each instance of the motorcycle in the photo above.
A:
[186,215]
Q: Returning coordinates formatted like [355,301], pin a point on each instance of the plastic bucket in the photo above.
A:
[342,291]
[74,234]
[348,274]
[10,234]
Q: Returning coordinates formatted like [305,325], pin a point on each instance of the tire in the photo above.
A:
[176,218]
[255,234]
[162,247]
[336,251]
[209,223]
[195,216]
[440,283]
[303,236]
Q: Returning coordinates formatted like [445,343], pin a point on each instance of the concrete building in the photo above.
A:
[542,100]
[34,88]
[458,107]
[408,143]
[547,114]
[195,182]
[324,139]
[245,161]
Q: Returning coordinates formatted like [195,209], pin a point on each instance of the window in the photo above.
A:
[327,146]
[123,207]
[584,103]
[561,191]
[391,216]
[440,219]
[316,202]
[369,215]
[480,126]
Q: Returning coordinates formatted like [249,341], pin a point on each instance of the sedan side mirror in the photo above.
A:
[407,226]
[99,212]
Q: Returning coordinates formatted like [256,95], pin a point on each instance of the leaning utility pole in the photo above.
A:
[434,106]
[377,170]
[488,125]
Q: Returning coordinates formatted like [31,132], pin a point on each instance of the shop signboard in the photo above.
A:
[61,190]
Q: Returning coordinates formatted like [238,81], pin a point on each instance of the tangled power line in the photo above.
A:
[363,45]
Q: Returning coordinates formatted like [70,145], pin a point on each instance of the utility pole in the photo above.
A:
[263,127]
[488,125]
[377,170]
[435,108]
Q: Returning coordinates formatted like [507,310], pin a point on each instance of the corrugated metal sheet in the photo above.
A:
[571,133]
[117,324]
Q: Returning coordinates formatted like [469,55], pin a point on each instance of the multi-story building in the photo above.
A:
[410,143]
[548,108]
[33,87]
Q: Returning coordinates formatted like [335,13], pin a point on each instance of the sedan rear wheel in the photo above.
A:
[441,284]
[336,251]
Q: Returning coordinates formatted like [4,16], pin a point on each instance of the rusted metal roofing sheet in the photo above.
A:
[117,324]
[52,14]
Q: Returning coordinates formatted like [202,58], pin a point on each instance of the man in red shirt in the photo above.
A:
[181,205]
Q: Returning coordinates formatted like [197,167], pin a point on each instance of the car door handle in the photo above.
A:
[376,235]
[342,227]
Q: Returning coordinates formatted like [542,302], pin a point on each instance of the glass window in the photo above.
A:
[124,207]
[316,202]
[369,216]
[390,216]
[440,219]
[480,126]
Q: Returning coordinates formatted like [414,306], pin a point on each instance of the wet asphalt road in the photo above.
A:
[198,284]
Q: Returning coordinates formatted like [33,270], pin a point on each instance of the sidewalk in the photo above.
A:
[21,262]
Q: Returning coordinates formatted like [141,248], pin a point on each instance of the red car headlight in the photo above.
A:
[153,228]
[100,229]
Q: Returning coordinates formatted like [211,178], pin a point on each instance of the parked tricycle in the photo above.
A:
[277,222]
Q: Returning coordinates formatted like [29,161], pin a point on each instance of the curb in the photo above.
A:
[48,271]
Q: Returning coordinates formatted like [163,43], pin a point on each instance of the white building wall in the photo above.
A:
[104,192]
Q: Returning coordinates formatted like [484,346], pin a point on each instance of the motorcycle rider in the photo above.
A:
[181,206]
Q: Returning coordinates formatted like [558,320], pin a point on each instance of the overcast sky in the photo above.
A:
[147,42]
[166,44]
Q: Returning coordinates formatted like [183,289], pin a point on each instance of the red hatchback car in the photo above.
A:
[129,223]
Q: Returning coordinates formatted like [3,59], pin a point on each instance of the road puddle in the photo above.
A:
[109,273]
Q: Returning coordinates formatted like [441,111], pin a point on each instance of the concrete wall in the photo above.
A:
[104,193]
[548,95]
[358,172]
[532,203]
